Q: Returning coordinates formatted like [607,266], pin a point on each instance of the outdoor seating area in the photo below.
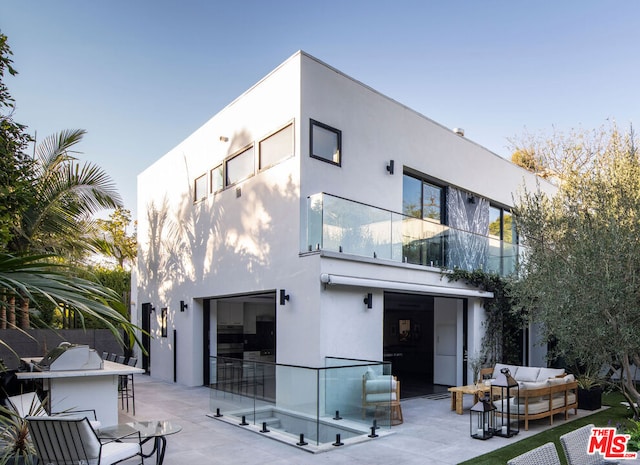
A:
[429,425]
[542,392]
[167,408]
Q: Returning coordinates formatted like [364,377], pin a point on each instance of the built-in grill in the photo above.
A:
[69,357]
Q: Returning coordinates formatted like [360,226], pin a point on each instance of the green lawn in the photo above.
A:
[616,414]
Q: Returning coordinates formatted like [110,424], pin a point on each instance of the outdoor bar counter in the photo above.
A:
[82,389]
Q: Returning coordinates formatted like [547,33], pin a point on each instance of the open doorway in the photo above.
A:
[408,341]
[240,327]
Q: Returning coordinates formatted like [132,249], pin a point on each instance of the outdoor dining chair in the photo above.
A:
[64,441]
[576,444]
[546,454]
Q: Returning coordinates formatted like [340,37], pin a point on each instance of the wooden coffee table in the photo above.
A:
[457,392]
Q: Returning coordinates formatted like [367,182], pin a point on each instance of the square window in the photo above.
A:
[277,147]
[240,167]
[326,143]
[217,179]
[200,188]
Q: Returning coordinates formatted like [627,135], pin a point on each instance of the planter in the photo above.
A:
[590,399]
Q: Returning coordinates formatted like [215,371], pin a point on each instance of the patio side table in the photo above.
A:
[152,429]
[457,393]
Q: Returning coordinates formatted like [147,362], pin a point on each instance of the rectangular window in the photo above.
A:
[431,202]
[276,147]
[501,225]
[200,188]
[217,179]
[240,167]
[163,322]
[326,143]
[421,199]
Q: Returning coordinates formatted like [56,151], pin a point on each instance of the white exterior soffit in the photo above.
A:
[338,280]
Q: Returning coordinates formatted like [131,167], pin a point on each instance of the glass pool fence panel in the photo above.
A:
[345,391]
[296,409]
[238,387]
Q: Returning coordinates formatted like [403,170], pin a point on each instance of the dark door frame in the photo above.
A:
[146,338]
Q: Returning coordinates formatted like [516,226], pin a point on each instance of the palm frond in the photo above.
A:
[36,278]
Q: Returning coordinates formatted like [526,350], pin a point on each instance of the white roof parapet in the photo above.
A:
[338,280]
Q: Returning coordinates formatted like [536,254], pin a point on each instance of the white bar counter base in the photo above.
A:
[83,389]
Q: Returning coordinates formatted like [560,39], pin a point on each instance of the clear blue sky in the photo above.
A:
[142,75]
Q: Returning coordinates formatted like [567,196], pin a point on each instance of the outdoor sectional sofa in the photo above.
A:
[543,392]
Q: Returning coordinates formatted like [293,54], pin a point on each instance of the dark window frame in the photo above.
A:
[443,195]
[326,127]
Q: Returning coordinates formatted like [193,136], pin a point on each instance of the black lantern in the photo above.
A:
[483,419]
[505,391]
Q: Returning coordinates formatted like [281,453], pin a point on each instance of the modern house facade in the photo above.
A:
[312,218]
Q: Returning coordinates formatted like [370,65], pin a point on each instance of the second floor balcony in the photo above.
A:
[349,227]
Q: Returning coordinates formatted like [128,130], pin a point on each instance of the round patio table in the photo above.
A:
[149,429]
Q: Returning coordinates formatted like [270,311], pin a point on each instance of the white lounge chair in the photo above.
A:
[29,404]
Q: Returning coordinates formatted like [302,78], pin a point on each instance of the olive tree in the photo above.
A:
[581,275]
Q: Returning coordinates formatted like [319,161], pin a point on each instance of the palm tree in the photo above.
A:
[40,279]
[65,196]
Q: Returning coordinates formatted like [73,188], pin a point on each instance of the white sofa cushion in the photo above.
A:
[546,373]
[527,373]
[500,366]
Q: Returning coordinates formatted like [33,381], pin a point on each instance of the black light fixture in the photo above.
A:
[390,166]
[482,419]
[504,388]
[471,199]
[368,300]
[183,306]
[283,296]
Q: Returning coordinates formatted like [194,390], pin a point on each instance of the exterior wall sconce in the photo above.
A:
[390,167]
[471,199]
[183,306]
[368,300]
[283,296]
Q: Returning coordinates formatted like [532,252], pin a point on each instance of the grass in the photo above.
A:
[615,415]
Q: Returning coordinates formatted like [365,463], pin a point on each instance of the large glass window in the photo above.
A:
[501,225]
[240,166]
[276,147]
[431,202]
[200,188]
[326,143]
[421,199]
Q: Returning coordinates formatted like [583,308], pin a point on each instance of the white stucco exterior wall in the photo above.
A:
[230,244]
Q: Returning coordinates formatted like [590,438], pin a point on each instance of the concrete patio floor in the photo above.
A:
[431,433]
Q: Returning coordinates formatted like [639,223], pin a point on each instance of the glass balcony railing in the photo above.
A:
[341,225]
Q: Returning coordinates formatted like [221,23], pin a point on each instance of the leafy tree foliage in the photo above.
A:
[550,157]
[113,240]
[45,206]
[581,275]
[15,165]
[65,196]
